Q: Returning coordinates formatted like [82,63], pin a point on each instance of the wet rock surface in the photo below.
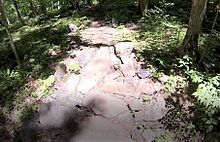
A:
[109,101]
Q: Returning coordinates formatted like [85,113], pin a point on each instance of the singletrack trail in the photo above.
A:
[113,99]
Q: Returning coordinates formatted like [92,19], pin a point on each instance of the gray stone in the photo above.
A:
[85,55]
[68,87]
[56,121]
[158,86]
[128,70]
[72,28]
[99,65]
[100,35]
[95,70]
[136,105]
[151,134]
[153,111]
[124,48]
[98,129]
[164,78]
[102,103]
[54,114]
[144,73]
[105,104]
[60,72]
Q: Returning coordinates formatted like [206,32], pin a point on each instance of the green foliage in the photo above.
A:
[46,84]
[175,83]
[126,35]
[146,98]
[157,74]
[27,111]
[121,10]
[8,79]
[153,19]
[209,49]
[208,90]
[185,63]
[159,39]
[75,68]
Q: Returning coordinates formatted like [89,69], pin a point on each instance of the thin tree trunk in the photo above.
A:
[7,28]
[214,22]
[216,16]
[89,2]
[19,15]
[34,8]
[190,42]
[143,6]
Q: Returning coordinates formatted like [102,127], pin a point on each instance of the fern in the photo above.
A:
[208,90]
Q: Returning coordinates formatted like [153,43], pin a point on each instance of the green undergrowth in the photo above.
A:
[34,43]
[158,44]
[121,11]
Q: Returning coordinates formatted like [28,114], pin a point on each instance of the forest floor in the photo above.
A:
[105,94]
[118,78]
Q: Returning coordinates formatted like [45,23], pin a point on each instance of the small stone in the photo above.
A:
[164,78]
[158,86]
[143,73]
[72,28]
[154,110]
[72,55]
[124,48]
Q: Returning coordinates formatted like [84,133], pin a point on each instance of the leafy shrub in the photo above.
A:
[208,86]
[175,83]
[10,81]
[208,90]
[75,68]
[46,84]
[207,94]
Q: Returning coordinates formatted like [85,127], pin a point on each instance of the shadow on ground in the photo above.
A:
[54,121]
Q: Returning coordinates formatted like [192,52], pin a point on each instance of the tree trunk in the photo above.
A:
[143,6]
[19,15]
[7,28]
[89,2]
[216,16]
[190,42]
[34,8]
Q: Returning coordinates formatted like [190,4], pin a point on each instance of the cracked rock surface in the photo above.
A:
[106,102]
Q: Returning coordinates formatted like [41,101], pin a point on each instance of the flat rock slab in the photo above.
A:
[99,35]
[105,104]
[98,129]
[55,121]
[152,111]
[95,70]
[85,55]
[124,48]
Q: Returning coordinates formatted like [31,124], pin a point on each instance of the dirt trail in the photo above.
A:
[112,99]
